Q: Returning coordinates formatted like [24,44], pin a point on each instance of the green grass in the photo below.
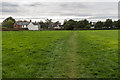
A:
[60,54]
[0,55]
[99,52]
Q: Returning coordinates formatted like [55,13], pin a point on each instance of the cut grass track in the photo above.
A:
[60,54]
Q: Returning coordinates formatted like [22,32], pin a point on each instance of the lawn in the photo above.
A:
[60,54]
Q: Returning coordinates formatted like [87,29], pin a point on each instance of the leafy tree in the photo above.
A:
[57,22]
[99,25]
[115,23]
[70,25]
[85,22]
[108,23]
[82,24]
[8,24]
[9,18]
[48,22]
[42,24]
[118,24]
[87,26]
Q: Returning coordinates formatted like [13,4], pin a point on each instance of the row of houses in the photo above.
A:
[33,25]
[25,24]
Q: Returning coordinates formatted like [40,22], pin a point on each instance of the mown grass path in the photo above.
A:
[72,56]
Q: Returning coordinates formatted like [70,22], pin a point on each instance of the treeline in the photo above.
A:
[85,24]
[70,24]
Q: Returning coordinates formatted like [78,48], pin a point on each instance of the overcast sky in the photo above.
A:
[60,9]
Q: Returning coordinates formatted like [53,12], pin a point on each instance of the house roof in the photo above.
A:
[22,23]
[26,23]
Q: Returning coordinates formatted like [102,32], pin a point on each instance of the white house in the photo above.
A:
[33,26]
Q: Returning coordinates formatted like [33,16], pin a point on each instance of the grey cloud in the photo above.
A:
[74,14]
[73,5]
[34,4]
[10,7]
[9,4]
[9,10]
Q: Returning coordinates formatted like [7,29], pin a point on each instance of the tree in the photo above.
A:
[42,24]
[108,23]
[117,24]
[99,25]
[57,23]
[9,18]
[87,26]
[48,22]
[82,24]
[70,25]
[8,24]
[85,22]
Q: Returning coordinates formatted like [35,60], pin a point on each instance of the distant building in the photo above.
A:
[20,24]
[57,27]
[30,25]
[33,26]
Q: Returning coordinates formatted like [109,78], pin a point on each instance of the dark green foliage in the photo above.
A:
[42,24]
[87,26]
[83,24]
[108,23]
[9,18]
[117,23]
[70,25]
[8,22]
[99,25]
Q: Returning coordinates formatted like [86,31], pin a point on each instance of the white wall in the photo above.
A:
[32,27]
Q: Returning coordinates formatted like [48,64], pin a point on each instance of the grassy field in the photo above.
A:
[60,54]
